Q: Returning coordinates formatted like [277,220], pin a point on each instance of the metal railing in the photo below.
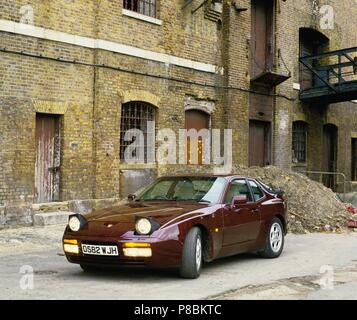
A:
[333,68]
[146,7]
[335,174]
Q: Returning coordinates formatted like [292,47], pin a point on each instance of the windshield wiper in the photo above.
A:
[205,201]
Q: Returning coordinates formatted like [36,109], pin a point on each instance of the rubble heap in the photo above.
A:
[312,206]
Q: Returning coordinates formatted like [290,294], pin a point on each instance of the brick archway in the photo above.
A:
[140,95]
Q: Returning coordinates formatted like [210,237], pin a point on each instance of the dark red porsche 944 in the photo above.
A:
[182,222]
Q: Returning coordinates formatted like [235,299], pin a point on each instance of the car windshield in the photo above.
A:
[199,189]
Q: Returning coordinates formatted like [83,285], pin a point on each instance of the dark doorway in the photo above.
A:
[259,143]
[330,136]
[354,159]
[198,120]
[262,36]
[48,157]
[311,43]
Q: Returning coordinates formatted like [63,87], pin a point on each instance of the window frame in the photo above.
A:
[298,131]
[130,3]
[259,187]
[130,105]
[230,184]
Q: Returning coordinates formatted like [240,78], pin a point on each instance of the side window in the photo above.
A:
[257,192]
[238,188]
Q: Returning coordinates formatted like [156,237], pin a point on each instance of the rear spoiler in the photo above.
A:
[269,189]
[279,192]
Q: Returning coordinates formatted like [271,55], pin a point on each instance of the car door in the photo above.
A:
[242,223]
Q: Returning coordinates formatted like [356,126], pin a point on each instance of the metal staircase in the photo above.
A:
[333,77]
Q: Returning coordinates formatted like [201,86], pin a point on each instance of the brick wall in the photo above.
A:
[89,99]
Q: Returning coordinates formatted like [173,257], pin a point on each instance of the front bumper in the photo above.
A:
[165,253]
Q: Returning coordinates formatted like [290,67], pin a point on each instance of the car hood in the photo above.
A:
[163,212]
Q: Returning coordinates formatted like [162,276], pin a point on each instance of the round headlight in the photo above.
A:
[143,226]
[74,224]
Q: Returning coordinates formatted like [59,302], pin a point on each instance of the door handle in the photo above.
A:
[255,211]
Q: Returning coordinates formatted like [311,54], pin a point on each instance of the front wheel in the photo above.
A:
[275,240]
[192,255]
[89,269]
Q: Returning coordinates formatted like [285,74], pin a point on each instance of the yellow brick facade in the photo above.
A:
[87,87]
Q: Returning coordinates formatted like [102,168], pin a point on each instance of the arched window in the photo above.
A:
[137,115]
[299,141]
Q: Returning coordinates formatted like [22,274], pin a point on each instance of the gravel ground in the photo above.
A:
[31,239]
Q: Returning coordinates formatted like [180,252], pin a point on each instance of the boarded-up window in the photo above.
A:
[146,7]
[137,115]
[299,141]
[131,181]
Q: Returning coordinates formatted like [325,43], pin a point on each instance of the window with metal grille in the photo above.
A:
[136,115]
[299,141]
[146,7]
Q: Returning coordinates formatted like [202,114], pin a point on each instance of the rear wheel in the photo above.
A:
[275,240]
[192,255]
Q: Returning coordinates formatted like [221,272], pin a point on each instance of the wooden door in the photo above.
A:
[197,120]
[306,76]
[354,160]
[47,169]
[330,153]
[259,143]
[262,36]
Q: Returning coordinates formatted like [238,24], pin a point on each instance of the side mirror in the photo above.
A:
[131,197]
[238,200]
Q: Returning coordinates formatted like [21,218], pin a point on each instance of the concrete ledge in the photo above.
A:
[142,17]
[50,207]
[51,218]
[92,43]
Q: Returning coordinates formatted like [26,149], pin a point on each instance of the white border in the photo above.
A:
[48,34]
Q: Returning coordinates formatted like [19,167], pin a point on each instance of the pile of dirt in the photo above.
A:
[312,206]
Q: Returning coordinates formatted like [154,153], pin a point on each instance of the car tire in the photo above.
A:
[89,269]
[274,244]
[192,260]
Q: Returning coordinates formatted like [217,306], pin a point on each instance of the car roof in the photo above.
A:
[207,175]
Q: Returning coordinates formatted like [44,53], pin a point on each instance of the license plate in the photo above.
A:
[100,250]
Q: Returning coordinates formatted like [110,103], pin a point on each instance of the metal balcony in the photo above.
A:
[333,77]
